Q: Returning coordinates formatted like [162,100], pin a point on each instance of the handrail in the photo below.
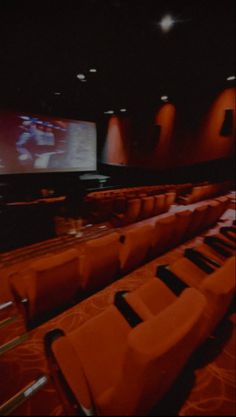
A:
[18,399]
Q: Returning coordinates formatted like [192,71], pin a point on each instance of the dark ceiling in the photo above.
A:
[45,44]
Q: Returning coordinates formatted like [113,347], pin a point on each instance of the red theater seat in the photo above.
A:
[121,371]
[162,235]
[136,243]
[219,290]
[99,263]
[213,213]
[150,299]
[179,235]
[159,204]
[169,200]
[197,221]
[47,284]
[188,272]
[147,207]
[225,204]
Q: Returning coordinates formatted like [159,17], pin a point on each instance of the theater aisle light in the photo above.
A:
[166,23]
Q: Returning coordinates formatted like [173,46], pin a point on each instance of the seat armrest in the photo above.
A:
[126,309]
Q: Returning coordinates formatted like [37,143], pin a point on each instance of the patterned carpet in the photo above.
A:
[206,387]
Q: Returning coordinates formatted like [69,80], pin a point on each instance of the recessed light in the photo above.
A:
[57,93]
[164,98]
[231,78]
[93,70]
[109,112]
[166,23]
[123,110]
[81,77]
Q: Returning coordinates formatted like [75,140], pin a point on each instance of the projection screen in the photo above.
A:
[34,144]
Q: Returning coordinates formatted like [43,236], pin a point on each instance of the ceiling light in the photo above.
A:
[57,93]
[81,77]
[92,70]
[164,98]
[123,110]
[167,23]
[231,78]
[109,112]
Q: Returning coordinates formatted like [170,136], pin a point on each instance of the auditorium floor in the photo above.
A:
[206,387]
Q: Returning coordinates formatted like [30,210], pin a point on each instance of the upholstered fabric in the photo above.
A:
[169,200]
[147,207]
[48,283]
[219,290]
[135,245]
[150,299]
[213,213]
[159,204]
[188,272]
[99,263]
[125,368]
[183,220]
[162,235]
[197,221]
[148,366]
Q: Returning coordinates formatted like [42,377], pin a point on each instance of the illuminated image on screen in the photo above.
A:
[31,144]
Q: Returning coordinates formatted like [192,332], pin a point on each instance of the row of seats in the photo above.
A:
[111,205]
[122,210]
[203,192]
[71,274]
[126,358]
[205,267]
[129,191]
[132,192]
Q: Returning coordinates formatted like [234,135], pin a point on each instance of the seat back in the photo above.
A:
[48,283]
[170,199]
[151,347]
[219,290]
[99,262]
[159,204]
[213,213]
[196,195]
[136,242]
[162,235]
[197,221]
[133,210]
[225,203]
[147,207]
[183,219]
[89,358]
